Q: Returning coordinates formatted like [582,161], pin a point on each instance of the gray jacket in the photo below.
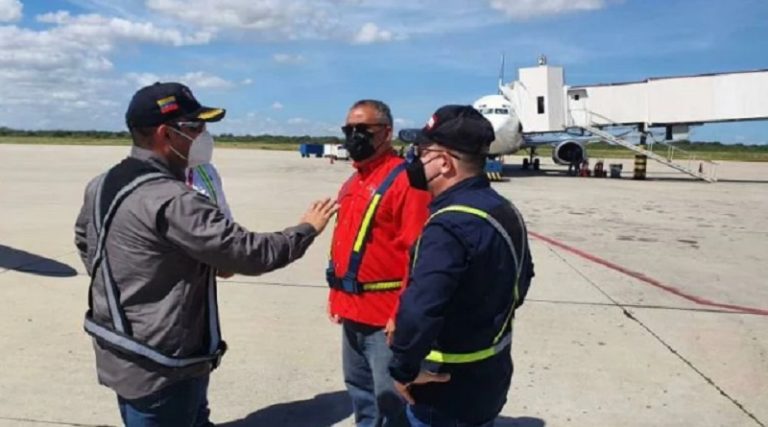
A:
[163,241]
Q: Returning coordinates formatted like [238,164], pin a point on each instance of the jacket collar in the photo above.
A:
[368,168]
[448,197]
[156,161]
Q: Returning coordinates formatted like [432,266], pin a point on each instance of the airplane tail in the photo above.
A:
[501,73]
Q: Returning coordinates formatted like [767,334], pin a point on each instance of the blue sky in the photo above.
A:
[294,66]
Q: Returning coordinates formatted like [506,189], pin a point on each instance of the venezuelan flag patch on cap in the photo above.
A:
[168,104]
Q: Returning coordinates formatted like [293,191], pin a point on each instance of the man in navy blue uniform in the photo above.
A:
[470,270]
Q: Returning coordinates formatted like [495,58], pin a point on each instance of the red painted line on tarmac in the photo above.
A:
[649,280]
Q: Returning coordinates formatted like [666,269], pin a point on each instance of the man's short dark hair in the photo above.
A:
[382,109]
[142,136]
[475,163]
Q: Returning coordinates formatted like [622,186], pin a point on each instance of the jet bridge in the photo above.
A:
[544,103]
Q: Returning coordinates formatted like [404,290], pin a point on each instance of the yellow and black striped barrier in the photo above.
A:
[641,162]
[494,176]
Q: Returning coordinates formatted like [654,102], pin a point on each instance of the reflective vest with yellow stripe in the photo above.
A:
[503,338]
[349,283]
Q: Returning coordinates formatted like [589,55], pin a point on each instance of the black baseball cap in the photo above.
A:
[165,102]
[459,127]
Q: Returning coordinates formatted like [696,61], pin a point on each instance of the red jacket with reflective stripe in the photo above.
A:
[398,222]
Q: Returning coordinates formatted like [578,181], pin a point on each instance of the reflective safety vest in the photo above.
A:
[503,338]
[131,174]
[349,282]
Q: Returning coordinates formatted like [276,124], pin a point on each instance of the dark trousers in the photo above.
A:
[425,416]
[366,356]
[184,404]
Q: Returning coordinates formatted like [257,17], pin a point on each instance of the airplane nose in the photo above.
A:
[498,123]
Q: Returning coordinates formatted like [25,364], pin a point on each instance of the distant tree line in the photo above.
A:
[280,139]
[94,134]
[98,134]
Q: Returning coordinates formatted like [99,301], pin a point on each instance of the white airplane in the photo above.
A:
[511,137]
[568,148]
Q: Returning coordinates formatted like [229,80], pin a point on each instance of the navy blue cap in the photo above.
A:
[165,102]
[459,127]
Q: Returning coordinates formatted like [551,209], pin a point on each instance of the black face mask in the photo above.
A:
[359,144]
[417,178]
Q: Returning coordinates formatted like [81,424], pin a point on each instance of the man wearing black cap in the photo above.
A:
[470,269]
[152,247]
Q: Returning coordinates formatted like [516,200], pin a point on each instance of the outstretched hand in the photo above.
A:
[319,213]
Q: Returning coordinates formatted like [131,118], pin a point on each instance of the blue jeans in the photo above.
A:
[184,404]
[365,357]
[429,417]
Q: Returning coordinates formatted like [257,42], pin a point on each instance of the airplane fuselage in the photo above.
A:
[498,110]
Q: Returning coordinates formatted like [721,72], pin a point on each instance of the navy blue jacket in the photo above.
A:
[459,294]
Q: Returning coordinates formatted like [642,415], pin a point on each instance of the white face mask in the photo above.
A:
[201,150]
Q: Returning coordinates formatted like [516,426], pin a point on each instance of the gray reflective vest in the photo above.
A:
[114,187]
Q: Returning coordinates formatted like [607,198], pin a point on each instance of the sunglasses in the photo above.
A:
[360,128]
[195,126]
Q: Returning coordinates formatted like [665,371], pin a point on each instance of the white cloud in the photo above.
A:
[195,80]
[525,9]
[62,76]
[287,58]
[285,19]
[96,27]
[246,82]
[255,123]
[203,80]
[371,33]
[277,106]
[10,10]
[281,18]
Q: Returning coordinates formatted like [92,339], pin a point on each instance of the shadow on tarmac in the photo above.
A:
[324,410]
[519,422]
[327,409]
[19,260]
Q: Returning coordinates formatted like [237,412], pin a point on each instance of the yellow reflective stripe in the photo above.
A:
[366,223]
[510,317]
[475,356]
[205,115]
[452,208]
[416,252]
[461,208]
[440,357]
[381,286]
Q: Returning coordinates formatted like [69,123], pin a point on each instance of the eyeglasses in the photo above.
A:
[360,127]
[419,151]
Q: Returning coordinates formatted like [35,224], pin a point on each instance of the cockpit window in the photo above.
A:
[501,111]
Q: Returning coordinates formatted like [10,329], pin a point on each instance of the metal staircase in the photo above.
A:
[672,158]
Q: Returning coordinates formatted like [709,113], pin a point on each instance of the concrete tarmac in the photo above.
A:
[648,307]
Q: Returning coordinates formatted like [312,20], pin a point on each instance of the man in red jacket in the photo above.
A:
[379,219]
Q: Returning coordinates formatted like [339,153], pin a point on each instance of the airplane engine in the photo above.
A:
[568,152]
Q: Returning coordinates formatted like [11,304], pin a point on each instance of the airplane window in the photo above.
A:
[502,111]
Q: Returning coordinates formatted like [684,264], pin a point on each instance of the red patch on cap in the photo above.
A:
[167,104]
